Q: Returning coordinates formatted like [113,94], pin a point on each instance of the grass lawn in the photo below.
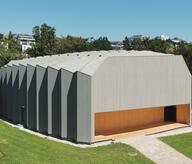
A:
[181,142]
[17,146]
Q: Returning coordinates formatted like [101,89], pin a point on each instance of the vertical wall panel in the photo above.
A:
[9,94]
[4,90]
[31,97]
[41,100]
[68,104]
[85,116]
[70,87]
[23,95]
[15,94]
[54,102]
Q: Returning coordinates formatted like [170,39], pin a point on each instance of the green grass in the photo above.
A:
[17,146]
[181,142]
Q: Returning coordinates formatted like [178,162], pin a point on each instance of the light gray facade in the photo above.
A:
[59,95]
[136,76]
[134,83]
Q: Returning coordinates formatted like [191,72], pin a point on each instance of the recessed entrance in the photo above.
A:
[23,116]
[122,122]
[170,113]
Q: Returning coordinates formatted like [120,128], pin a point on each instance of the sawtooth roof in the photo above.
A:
[85,62]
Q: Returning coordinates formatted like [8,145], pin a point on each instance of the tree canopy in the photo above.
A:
[71,44]
[10,50]
[44,36]
[46,43]
[101,44]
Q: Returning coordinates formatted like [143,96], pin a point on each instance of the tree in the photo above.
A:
[8,54]
[101,44]
[10,50]
[71,44]
[10,36]
[1,36]
[159,45]
[185,49]
[78,44]
[44,41]
[14,47]
[136,44]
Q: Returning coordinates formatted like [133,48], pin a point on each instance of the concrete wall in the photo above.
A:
[4,90]
[54,102]
[41,99]
[66,125]
[62,104]
[85,115]
[9,94]
[15,94]
[23,95]
[31,98]
[69,105]
[140,82]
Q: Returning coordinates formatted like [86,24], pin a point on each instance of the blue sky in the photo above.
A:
[113,18]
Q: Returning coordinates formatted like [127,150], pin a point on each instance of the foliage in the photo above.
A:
[44,36]
[10,36]
[1,36]
[13,46]
[20,147]
[159,45]
[185,49]
[10,50]
[101,44]
[136,44]
[155,44]
[71,44]
[47,44]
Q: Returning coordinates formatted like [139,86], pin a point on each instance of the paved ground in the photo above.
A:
[156,150]
[173,132]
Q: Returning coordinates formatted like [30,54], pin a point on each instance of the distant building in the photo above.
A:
[2,42]
[24,40]
[141,37]
[177,40]
[1,36]
[162,37]
[117,45]
[90,39]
